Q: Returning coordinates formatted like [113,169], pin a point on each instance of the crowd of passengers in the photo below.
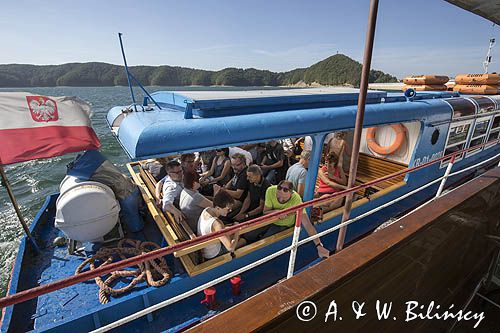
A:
[211,189]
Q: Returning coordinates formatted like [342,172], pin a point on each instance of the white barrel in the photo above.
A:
[86,210]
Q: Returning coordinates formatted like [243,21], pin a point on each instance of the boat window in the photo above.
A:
[485,104]
[457,138]
[479,135]
[494,132]
[461,107]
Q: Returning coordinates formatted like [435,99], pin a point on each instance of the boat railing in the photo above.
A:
[292,248]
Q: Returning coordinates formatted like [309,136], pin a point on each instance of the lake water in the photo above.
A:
[32,181]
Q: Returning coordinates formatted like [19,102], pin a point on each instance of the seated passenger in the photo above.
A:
[220,171]
[331,179]
[337,144]
[205,158]
[297,173]
[170,188]
[253,205]
[237,150]
[156,167]
[209,222]
[237,187]
[188,162]
[191,201]
[278,198]
[303,143]
[273,163]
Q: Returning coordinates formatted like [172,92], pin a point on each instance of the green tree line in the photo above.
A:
[335,70]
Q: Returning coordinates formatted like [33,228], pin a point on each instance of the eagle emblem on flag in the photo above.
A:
[43,109]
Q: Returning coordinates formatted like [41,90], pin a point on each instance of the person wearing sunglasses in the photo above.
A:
[279,197]
[237,187]
[210,222]
[169,189]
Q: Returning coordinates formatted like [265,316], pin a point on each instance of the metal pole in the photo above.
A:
[126,70]
[145,91]
[295,240]
[363,88]
[445,177]
[5,182]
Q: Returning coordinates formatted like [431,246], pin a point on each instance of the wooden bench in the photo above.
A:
[175,233]
[371,168]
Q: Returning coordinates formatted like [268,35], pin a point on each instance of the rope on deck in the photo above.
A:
[155,272]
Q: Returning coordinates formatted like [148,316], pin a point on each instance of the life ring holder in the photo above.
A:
[400,130]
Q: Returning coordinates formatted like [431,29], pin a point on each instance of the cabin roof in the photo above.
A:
[238,120]
[215,103]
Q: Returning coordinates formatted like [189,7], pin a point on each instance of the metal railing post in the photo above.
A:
[445,177]
[360,114]
[295,240]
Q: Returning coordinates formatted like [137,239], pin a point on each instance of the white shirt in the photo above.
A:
[171,192]
[205,223]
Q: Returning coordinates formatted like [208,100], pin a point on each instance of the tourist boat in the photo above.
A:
[436,124]
[443,131]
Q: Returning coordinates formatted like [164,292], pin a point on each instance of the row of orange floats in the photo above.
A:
[484,84]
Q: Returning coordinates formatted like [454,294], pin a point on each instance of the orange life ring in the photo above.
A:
[400,130]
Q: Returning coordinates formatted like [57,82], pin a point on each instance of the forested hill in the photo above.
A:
[335,70]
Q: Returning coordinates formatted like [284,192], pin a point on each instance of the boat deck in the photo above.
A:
[55,263]
[449,225]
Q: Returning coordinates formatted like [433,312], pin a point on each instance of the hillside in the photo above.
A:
[335,70]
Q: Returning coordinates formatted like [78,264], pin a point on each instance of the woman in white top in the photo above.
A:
[209,222]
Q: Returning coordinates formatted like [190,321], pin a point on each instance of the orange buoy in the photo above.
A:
[480,89]
[426,79]
[400,130]
[489,79]
[426,87]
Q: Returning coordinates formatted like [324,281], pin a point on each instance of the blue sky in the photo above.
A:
[412,37]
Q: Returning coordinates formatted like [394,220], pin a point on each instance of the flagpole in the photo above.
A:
[5,182]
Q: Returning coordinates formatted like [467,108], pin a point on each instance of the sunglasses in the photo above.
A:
[284,189]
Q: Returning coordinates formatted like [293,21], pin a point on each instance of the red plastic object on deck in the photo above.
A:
[236,285]
[209,299]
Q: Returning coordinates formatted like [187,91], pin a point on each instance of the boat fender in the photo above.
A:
[400,130]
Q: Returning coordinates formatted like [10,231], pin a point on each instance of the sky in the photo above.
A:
[412,37]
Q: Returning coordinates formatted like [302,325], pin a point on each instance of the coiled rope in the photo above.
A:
[155,272]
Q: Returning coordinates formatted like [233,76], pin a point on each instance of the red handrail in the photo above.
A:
[69,281]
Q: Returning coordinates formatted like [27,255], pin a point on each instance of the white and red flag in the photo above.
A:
[34,126]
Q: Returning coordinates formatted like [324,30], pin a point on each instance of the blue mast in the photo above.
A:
[126,70]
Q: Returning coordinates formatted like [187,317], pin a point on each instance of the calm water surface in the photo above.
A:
[32,181]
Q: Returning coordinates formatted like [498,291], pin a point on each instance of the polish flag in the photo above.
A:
[34,126]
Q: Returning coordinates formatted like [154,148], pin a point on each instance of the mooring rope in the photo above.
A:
[155,272]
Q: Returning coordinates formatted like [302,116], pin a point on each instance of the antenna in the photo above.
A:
[487,61]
